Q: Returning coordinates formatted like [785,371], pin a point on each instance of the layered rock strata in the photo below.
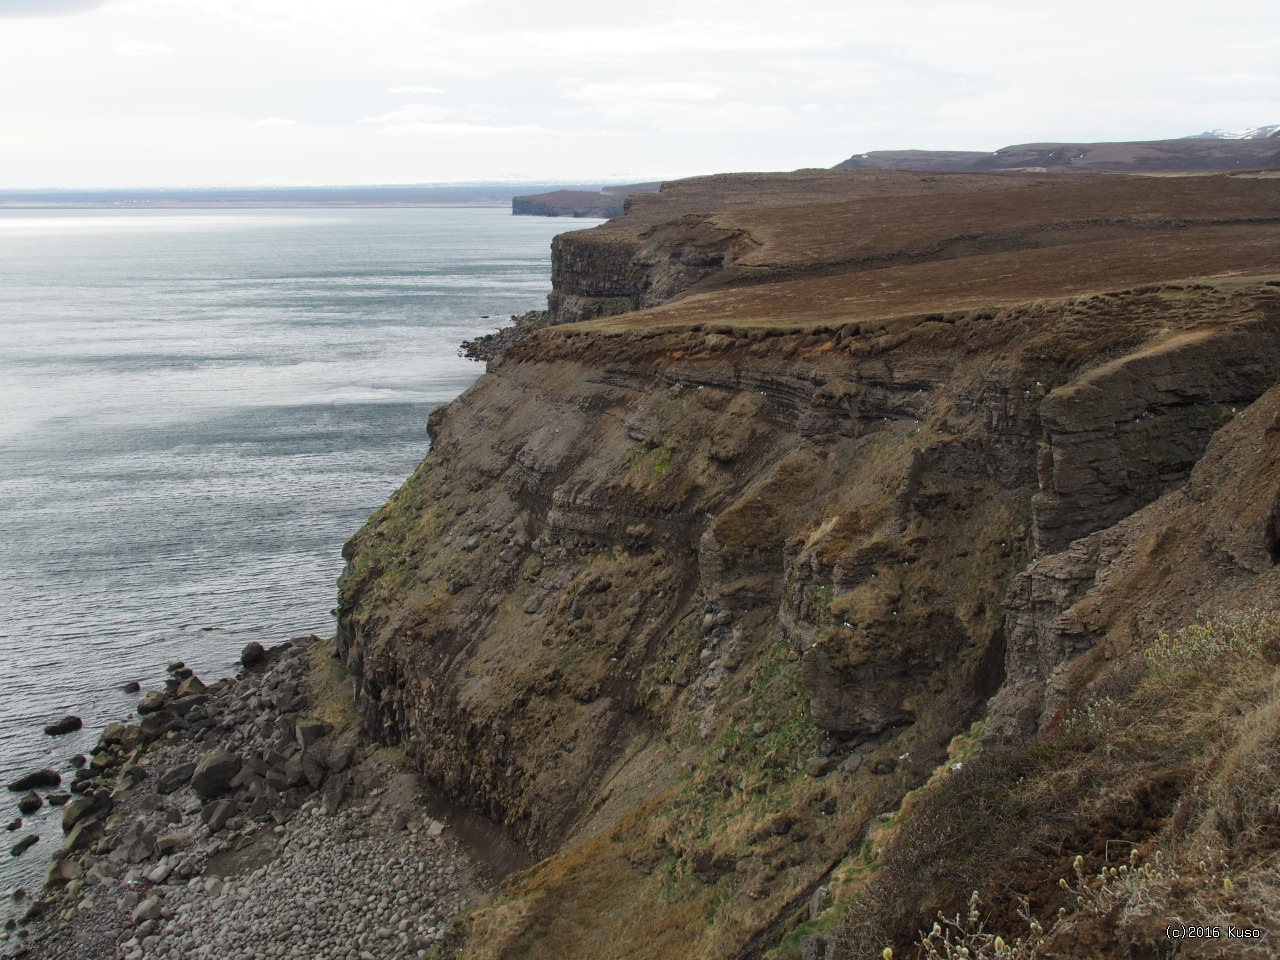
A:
[645,568]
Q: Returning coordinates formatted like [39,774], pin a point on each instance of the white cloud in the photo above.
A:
[411,91]
[275,122]
[1223,79]
[140,48]
[632,91]
[413,113]
[465,129]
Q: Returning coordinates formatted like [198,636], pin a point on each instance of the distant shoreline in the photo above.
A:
[241,204]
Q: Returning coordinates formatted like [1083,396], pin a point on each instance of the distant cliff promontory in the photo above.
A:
[1201,154]
[608,202]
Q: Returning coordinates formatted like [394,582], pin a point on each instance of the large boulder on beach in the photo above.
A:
[253,654]
[36,778]
[62,872]
[175,777]
[112,733]
[68,724]
[83,836]
[190,687]
[214,773]
[85,806]
[152,702]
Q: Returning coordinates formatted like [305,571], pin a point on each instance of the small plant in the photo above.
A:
[955,939]
[1232,637]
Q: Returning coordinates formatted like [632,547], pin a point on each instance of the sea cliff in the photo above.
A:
[840,482]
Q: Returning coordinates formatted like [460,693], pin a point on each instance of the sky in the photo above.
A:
[167,93]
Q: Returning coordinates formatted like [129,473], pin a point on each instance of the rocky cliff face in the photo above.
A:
[691,595]
[777,569]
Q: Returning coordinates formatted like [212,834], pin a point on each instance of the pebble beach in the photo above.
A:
[245,820]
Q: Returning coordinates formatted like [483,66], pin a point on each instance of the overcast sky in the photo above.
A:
[255,92]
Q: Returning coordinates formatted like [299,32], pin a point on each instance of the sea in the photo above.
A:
[197,408]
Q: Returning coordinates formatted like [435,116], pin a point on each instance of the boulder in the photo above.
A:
[133,686]
[148,909]
[68,724]
[83,836]
[175,777]
[216,814]
[23,845]
[62,872]
[309,733]
[83,807]
[36,778]
[111,733]
[30,802]
[190,687]
[187,704]
[152,702]
[339,758]
[252,654]
[214,773]
[293,774]
[313,770]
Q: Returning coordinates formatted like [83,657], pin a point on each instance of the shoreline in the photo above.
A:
[253,818]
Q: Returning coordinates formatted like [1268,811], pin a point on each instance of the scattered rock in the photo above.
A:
[62,872]
[133,686]
[68,724]
[817,766]
[83,836]
[148,909]
[214,773]
[253,654]
[152,702]
[23,845]
[30,802]
[36,778]
[851,763]
[190,687]
[175,777]
[84,806]
[310,733]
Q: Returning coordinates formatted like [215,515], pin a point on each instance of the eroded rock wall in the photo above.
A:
[774,571]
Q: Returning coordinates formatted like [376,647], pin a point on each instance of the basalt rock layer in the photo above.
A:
[688,598]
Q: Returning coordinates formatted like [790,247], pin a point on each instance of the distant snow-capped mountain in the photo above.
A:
[1257,133]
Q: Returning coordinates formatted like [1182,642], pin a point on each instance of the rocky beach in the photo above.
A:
[250,818]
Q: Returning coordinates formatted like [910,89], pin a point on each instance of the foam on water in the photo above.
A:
[196,410]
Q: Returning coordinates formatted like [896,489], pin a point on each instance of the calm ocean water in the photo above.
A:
[196,409]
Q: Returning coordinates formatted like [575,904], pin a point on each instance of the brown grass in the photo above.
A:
[1161,798]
